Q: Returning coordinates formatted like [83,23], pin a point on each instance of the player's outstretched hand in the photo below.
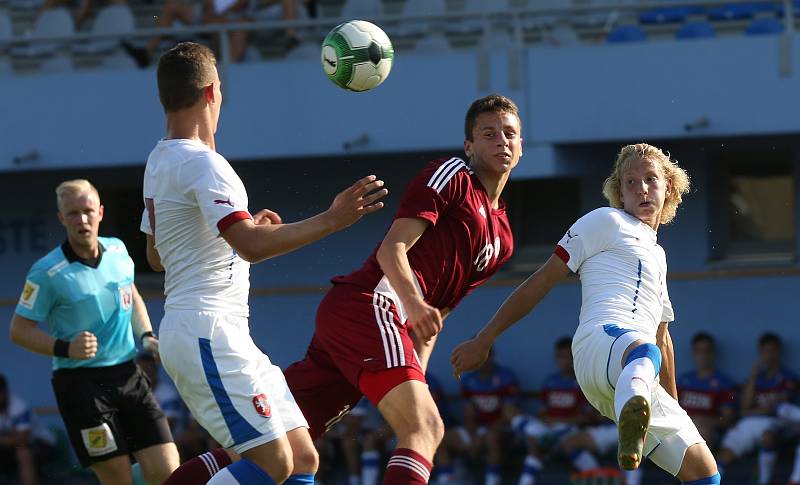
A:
[425,320]
[355,202]
[83,346]
[266,216]
[469,356]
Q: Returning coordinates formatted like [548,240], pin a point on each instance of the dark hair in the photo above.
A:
[769,338]
[493,103]
[702,337]
[3,383]
[183,72]
[564,343]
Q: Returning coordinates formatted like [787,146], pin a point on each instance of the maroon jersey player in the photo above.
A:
[375,329]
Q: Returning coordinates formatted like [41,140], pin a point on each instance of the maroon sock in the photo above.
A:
[199,469]
[406,467]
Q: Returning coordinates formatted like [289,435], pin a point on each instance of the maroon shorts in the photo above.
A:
[358,332]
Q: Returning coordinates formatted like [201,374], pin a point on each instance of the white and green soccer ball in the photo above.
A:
[357,55]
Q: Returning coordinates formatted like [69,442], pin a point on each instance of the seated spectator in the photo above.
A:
[707,394]
[490,393]
[769,385]
[82,12]
[22,441]
[173,11]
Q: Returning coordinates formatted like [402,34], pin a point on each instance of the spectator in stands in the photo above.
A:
[563,410]
[22,442]
[83,8]
[707,394]
[219,11]
[769,385]
[490,393]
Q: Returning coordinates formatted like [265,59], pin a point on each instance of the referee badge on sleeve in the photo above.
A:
[29,294]
[98,440]
[262,406]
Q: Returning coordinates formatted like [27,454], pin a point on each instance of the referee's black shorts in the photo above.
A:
[109,411]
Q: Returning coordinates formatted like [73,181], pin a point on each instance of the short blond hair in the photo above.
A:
[677,178]
[74,187]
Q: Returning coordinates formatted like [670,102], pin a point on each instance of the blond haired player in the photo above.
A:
[622,345]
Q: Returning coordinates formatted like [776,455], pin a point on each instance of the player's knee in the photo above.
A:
[645,351]
[698,464]
[436,426]
[306,460]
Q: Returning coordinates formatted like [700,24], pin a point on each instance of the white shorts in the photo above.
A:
[231,388]
[747,433]
[598,364]
[605,437]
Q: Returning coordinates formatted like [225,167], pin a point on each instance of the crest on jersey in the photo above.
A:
[126,297]
[262,406]
[98,440]
[29,293]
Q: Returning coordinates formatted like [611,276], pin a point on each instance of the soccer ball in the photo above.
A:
[357,55]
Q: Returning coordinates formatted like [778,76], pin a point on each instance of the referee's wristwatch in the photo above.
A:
[148,333]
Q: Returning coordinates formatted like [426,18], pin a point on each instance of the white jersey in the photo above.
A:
[623,272]
[192,195]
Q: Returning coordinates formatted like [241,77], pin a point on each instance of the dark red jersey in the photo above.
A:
[466,243]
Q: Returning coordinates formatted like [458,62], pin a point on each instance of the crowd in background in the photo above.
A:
[497,427]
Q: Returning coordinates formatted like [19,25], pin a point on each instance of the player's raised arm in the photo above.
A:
[256,242]
[472,353]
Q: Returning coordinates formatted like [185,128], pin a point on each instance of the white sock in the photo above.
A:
[796,470]
[354,480]
[632,477]
[370,468]
[766,463]
[789,412]
[583,460]
[634,380]
[530,469]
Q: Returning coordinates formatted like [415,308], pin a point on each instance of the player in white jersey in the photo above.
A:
[622,345]
[199,230]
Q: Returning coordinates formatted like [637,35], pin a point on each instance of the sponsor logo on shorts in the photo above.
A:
[126,297]
[98,440]
[262,406]
[29,294]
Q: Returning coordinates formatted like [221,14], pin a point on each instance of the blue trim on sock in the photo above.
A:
[647,351]
[248,473]
[712,480]
[241,430]
[300,478]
